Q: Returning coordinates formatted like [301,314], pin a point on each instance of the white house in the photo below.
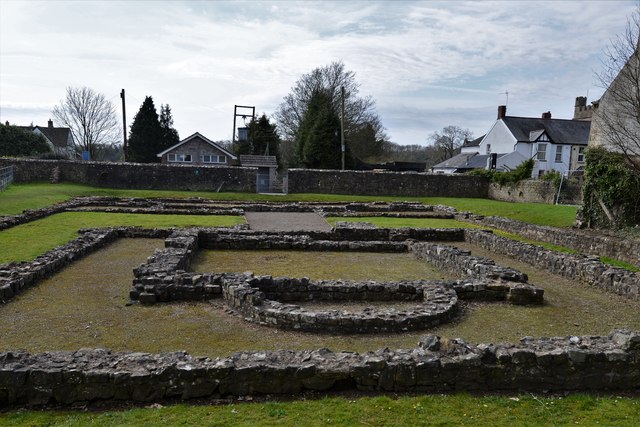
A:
[554,144]
[60,139]
[198,150]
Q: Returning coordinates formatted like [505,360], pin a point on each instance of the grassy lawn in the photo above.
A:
[27,241]
[439,410]
[19,197]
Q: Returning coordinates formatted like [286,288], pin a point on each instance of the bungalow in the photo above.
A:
[554,144]
[197,150]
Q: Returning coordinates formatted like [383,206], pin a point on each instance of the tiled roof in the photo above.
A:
[259,161]
[476,142]
[58,136]
[560,131]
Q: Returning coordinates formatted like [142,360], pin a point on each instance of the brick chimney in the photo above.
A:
[7,123]
[546,115]
[50,123]
[502,111]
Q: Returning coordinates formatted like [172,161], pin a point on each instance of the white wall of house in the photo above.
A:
[498,140]
[557,157]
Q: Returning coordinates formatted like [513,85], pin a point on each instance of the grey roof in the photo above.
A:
[57,135]
[467,161]
[560,131]
[476,142]
[259,161]
[457,161]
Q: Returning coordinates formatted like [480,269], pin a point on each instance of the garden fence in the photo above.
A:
[6,177]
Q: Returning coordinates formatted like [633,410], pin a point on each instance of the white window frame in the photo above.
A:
[179,158]
[541,155]
[213,158]
[558,153]
[488,148]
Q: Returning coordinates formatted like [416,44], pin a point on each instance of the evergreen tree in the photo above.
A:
[264,137]
[18,142]
[318,138]
[169,134]
[145,136]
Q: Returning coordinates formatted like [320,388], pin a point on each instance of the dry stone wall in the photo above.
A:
[587,269]
[576,363]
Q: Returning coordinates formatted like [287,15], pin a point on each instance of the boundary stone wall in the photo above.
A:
[386,183]
[137,175]
[218,178]
[535,191]
[587,363]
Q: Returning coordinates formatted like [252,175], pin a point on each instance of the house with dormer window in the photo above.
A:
[554,144]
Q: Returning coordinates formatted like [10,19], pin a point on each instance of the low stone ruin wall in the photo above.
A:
[584,241]
[578,267]
[587,363]
[17,276]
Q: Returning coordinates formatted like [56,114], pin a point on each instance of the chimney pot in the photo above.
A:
[502,111]
[546,115]
[50,123]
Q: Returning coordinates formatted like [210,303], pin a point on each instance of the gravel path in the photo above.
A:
[286,221]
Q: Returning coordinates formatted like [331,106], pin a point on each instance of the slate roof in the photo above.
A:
[457,161]
[476,142]
[560,131]
[259,161]
[467,161]
[58,136]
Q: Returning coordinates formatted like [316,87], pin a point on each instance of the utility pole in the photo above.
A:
[342,124]
[124,126]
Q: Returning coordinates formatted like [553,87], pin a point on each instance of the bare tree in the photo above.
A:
[616,121]
[91,118]
[450,140]
[359,111]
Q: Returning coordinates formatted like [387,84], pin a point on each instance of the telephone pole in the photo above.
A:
[124,126]
[342,124]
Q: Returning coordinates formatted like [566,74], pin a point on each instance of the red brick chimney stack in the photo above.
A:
[502,111]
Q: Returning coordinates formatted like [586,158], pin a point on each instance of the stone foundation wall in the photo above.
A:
[17,276]
[573,266]
[588,363]
[536,191]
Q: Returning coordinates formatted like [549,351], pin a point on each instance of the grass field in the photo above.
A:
[570,308]
[19,197]
[433,410]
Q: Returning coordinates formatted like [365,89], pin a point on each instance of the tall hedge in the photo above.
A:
[611,183]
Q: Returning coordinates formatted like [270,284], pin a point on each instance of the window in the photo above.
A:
[488,148]
[580,154]
[558,153]
[542,152]
[210,158]
[179,158]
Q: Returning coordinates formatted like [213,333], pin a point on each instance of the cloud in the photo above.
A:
[427,64]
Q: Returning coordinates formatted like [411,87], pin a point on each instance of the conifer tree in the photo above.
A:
[169,134]
[146,134]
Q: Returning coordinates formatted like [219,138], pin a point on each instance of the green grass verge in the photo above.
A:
[440,410]
[19,197]
[27,241]
[621,264]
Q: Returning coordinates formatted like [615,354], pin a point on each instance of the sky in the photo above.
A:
[427,64]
